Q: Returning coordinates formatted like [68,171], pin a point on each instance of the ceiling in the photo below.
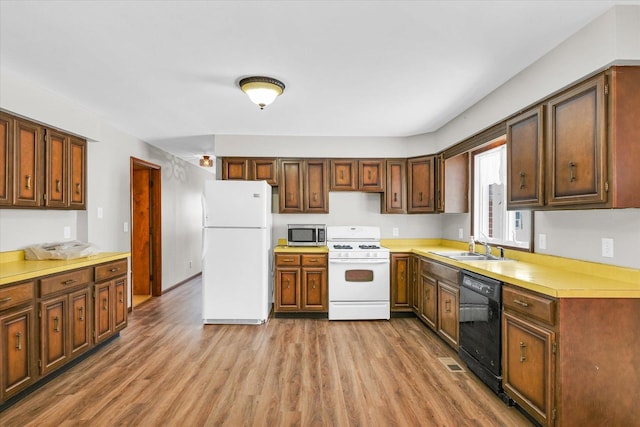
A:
[167,71]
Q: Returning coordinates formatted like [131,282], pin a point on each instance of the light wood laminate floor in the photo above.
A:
[167,369]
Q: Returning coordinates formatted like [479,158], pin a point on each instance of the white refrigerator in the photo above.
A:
[237,285]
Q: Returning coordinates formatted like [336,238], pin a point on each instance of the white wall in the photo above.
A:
[108,164]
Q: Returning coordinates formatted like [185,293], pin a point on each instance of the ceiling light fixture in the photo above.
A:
[206,161]
[261,90]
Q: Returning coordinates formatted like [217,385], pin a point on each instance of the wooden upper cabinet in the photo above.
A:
[28,164]
[344,174]
[525,162]
[395,195]
[439,183]
[6,159]
[291,182]
[316,196]
[577,145]
[56,180]
[455,193]
[264,170]
[420,184]
[78,173]
[235,168]
[371,175]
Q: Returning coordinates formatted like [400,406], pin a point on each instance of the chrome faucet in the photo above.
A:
[487,247]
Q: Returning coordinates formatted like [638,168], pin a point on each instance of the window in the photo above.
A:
[492,222]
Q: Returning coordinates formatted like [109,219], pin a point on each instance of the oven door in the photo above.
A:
[359,280]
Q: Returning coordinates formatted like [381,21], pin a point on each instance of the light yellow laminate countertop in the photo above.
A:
[14,268]
[554,276]
[301,249]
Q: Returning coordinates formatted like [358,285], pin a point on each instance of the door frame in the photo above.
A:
[155,211]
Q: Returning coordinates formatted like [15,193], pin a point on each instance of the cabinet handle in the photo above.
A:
[28,182]
[523,357]
[77,188]
[341,174]
[313,284]
[56,324]
[105,306]
[313,260]
[121,297]
[521,180]
[287,260]
[395,197]
[290,196]
[428,293]
[522,303]
[68,282]
[19,341]
[287,281]
[113,270]
[5,300]
[315,197]
[447,306]
[420,196]
[81,314]
[572,171]
[369,174]
[57,185]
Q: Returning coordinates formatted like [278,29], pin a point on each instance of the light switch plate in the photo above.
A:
[395,232]
[460,235]
[542,241]
[607,247]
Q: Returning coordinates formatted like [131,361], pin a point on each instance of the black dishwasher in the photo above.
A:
[480,327]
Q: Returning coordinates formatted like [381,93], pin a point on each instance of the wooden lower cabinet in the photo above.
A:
[449,312]
[301,283]
[428,301]
[17,350]
[110,300]
[54,351]
[401,283]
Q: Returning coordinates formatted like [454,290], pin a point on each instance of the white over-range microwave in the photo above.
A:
[306,234]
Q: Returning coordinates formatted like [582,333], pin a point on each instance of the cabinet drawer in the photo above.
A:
[63,281]
[14,295]
[110,270]
[441,271]
[287,259]
[314,260]
[530,304]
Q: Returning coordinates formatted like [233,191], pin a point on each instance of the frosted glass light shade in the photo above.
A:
[262,91]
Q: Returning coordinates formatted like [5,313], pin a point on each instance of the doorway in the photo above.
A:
[146,249]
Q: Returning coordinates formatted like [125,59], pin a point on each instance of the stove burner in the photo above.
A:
[342,247]
[369,247]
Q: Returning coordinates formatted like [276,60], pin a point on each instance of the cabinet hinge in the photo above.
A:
[554,347]
[553,414]
[606,89]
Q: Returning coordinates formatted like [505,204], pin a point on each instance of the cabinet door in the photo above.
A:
[420,184]
[120,304]
[439,183]
[400,284]
[576,154]
[53,333]
[448,313]
[314,289]
[79,324]
[235,168]
[428,307]
[78,173]
[371,175]
[56,180]
[528,366]
[395,195]
[17,347]
[103,312]
[288,289]
[344,175]
[28,164]
[264,170]
[416,291]
[525,144]
[317,184]
[290,191]
[456,184]
[6,159]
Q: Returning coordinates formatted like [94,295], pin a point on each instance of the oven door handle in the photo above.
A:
[358,261]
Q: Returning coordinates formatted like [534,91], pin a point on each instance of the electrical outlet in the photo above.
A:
[542,241]
[99,213]
[67,232]
[395,232]
[125,227]
[460,233]
[607,248]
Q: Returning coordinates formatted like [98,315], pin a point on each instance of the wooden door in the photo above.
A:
[525,145]
[57,170]
[79,321]
[28,158]
[53,333]
[371,175]
[421,184]
[396,191]
[141,233]
[316,198]
[6,159]
[576,146]
[290,182]
[343,175]
[78,173]
[17,348]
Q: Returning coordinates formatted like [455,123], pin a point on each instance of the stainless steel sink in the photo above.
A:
[469,256]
